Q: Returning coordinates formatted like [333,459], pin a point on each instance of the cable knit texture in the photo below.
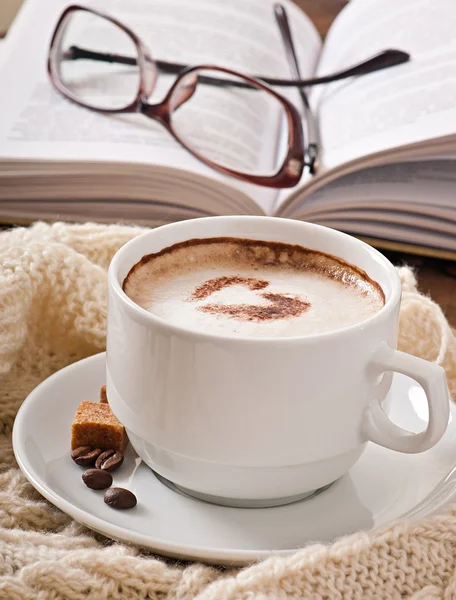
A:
[52,313]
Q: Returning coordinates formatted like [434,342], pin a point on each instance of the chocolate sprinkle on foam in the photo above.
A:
[280,306]
[218,283]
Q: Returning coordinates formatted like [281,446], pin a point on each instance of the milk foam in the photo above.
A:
[232,291]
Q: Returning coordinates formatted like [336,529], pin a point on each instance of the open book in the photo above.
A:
[388,139]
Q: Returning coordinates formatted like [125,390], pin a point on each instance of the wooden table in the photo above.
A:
[436,278]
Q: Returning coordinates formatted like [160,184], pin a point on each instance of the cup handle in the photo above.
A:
[381,430]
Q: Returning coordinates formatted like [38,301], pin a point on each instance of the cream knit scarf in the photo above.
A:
[52,313]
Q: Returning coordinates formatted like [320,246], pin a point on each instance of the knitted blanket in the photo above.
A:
[53,312]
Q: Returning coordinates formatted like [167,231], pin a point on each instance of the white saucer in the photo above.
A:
[381,487]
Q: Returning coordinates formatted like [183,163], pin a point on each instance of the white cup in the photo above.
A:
[260,421]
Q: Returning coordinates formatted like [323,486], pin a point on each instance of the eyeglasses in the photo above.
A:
[100,64]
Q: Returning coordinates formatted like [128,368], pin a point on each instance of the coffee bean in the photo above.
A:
[96,479]
[120,498]
[85,456]
[109,460]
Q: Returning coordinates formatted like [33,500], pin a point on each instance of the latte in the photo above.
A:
[251,288]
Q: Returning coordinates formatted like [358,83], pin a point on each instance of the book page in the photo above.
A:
[402,105]
[411,202]
[37,123]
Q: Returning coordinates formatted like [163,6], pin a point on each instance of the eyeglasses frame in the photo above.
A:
[292,167]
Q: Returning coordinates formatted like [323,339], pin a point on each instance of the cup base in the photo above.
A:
[239,502]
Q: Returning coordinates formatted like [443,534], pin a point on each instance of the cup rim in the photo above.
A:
[151,319]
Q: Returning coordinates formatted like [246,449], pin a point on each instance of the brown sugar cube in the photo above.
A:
[103,396]
[95,425]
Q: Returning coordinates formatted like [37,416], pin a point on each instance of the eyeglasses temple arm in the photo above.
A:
[311,151]
[74,53]
[383,60]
